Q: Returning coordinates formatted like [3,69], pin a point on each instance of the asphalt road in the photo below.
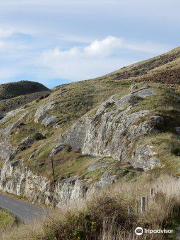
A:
[26,212]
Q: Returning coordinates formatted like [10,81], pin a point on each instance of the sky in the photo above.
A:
[60,41]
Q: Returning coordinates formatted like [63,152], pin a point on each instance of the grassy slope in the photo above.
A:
[73,101]
[76,99]
[7,220]
[164,68]
[8,105]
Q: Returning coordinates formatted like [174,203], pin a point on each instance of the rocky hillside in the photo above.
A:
[111,129]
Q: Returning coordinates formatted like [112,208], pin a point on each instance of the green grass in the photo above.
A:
[73,101]
[7,220]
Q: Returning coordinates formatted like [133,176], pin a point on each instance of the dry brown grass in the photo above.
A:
[105,216]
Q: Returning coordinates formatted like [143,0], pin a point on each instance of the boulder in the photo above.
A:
[49,120]
[26,143]
[41,113]
[57,149]
[157,120]
[106,179]
[133,87]
[143,157]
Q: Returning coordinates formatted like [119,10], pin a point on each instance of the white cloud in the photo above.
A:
[11,42]
[86,59]
[104,47]
[5,33]
[95,59]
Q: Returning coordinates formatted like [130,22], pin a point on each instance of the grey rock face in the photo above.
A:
[41,113]
[114,129]
[145,158]
[6,150]
[105,180]
[49,120]
[12,126]
[11,114]
[57,149]
[112,136]
[26,142]
[18,180]
[76,136]
[69,190]
[145,92]
[42,116]
[111,132]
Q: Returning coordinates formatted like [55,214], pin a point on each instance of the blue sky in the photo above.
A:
[59,41]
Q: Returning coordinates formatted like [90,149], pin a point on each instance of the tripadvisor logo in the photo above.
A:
[139,231]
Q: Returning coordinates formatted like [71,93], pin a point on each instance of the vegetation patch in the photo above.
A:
[7,220]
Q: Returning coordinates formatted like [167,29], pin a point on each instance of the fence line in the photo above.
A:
[143,204]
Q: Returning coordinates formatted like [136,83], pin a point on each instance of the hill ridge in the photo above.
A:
[15,89]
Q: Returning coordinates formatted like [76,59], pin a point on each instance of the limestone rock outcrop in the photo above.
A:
[114,129]
[42,116]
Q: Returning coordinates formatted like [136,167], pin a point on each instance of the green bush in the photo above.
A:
[175,151]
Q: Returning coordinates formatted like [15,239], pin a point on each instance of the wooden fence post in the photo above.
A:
[53,172]
[130,210]
[151,193]
[130,213]
[147,202]
[137,203]
[143,204]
